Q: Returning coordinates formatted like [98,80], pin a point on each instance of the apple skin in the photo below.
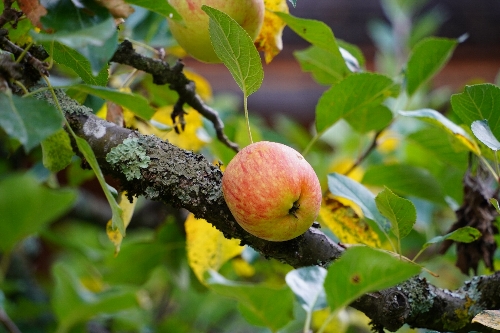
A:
[272,191]
[193,35]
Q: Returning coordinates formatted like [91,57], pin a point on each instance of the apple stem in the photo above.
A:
[245,106]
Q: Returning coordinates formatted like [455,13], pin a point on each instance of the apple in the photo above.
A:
[272,191]
[192,34]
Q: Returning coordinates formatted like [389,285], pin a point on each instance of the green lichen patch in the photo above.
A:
[129,157]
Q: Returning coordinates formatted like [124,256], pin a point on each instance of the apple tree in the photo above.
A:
[112,211]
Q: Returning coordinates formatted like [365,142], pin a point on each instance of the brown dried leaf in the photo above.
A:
[269,39]
[33,11]
[477,212]
[488,318]
[117,8]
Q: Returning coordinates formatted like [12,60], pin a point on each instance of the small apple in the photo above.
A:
[272,191]
[193,35]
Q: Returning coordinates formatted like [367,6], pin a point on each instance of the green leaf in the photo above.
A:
[93,34]
[57,151]
[73,303]
[134,102]
[307,285]
[355,93]
[462,235]
[160,7]
[318,34]
[426,59]
[361,270]
[405,179]
[72,59]
[345,187]
[436,118]
[482,131]
[373,118]
[28,120]
[260,305]
[495,204]
[117,218]
[479,102]
[401,212]
[27,206]
[324,67]
[236,49]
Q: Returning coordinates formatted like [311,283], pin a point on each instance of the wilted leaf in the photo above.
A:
[269,39]
[482,131]
[259,305]
[57,151]
[28,120]
[346,224]
[27,206]
[207,248]
[479,102]
[426,59]
[117,8]
[236,49]
[307,285]
[361,270]
[488,318]
[436,118]
[356,93]
[127,208]
[33,11]
[345,187]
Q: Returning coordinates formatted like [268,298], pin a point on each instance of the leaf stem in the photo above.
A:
[311,143]
[307,324]
[365,154]
[245,106]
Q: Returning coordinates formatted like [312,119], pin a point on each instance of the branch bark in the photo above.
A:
[188,180]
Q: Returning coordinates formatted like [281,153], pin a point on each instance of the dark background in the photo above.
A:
[286,89]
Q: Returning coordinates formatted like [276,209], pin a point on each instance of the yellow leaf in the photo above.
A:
[127,207]
[269,39]
[338,324]
[207,248]
[243,268]
[203,87]
[343,221]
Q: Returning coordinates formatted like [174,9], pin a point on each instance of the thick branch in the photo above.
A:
[164,74]
[188,180]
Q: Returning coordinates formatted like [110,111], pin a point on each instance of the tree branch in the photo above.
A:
[184,179]
[163,74]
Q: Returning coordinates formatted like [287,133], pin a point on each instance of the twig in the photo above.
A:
[9,325]
[9,14]
[173,76]
[367,152]
[7,45]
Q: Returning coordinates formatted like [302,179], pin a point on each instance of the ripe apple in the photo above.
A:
[272,191]
[192,34]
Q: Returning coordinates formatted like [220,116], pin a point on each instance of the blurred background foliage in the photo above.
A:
[61,273]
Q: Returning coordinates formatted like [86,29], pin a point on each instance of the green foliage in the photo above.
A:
[362,270]
[133,102]
[27,207]
[356,98]
[380,143]
[28,120]
[235,48]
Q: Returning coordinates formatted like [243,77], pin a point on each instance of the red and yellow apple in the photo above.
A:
[272,191]
[192,34]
